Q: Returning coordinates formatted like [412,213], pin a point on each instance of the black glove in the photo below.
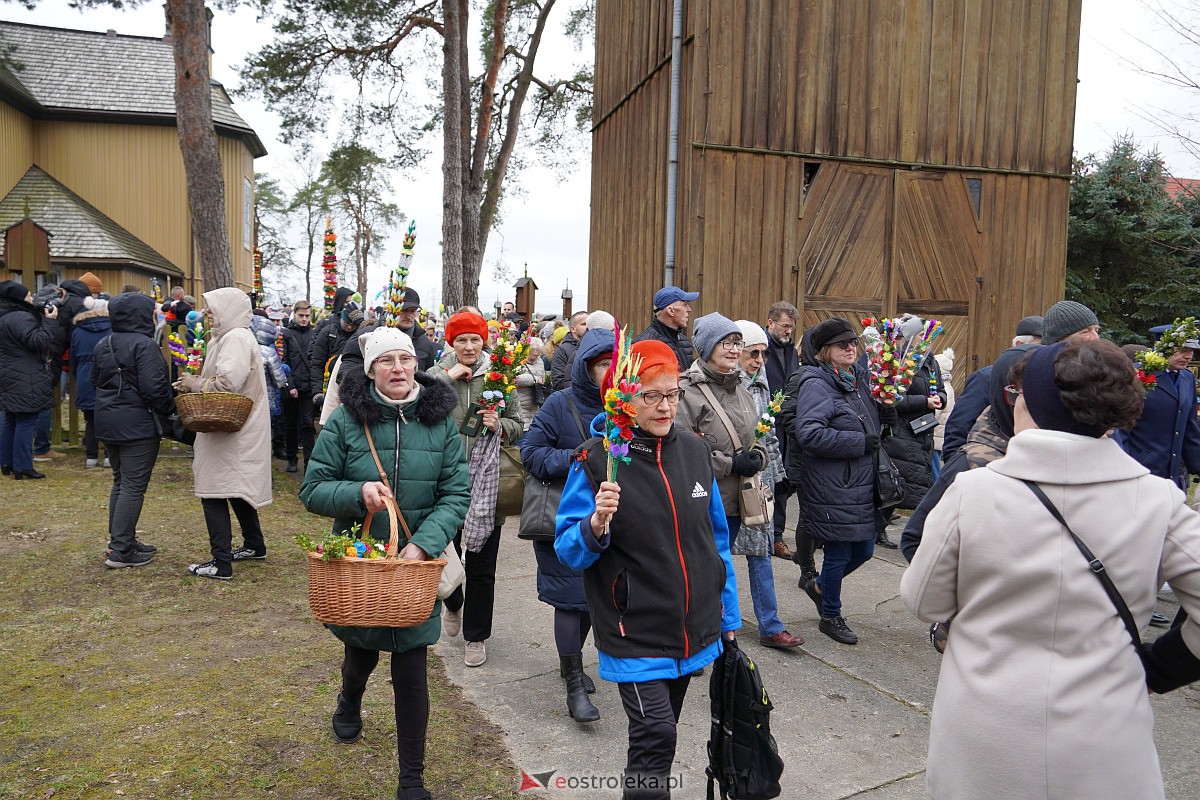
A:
[872,443]
[888,415]
[749,462]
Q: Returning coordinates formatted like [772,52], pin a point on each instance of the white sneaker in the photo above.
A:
[475,654]
[91,462]
[451,622]
[107,465]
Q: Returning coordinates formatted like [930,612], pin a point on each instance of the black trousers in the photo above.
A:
[132,464]
[91,445]
[298,426]
[653,710]
[480,599]
[220,530]
[411,691]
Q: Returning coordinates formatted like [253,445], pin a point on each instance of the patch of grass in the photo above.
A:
[150,683]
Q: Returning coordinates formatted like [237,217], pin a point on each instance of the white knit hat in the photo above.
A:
[752,333]
[383,340]
[600,321]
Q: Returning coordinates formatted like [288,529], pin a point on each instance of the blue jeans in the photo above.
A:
[41,435]
[841,558]
[16,440]
[762,587]
[936,465]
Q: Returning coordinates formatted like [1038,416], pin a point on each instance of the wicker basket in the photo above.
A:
[385,592]
[213,412]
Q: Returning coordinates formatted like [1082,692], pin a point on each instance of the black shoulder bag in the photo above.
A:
[1160,677]
[539,506]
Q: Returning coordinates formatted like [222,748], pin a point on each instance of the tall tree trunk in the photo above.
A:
[453,123]
[198,141]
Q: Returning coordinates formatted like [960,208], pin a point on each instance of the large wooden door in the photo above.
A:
[879,241]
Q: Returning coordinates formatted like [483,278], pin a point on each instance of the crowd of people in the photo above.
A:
[643,566]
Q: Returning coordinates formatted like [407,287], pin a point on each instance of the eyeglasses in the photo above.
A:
[758,353]
[387,362]
[730,345]
[654,398]
[1011,393]
[850,345]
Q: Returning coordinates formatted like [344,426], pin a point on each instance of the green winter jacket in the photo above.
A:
[420,450]
[511,425]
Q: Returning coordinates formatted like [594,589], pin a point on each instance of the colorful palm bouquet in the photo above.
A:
[188,357]
[621,385]
[1152,361]
[896,349]
[767,420]
[508,355]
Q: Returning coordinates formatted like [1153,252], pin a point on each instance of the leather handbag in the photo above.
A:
[756,501]
[511,490]
[889,483]
[453,574]
[539,507]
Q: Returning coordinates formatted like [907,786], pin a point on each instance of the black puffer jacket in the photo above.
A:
[129,373]
[25,341]
[828,458]
[913,455]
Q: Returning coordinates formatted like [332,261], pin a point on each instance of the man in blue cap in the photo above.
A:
[672,309]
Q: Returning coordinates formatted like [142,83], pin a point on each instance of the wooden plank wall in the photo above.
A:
[961,83]
[983,83]
[16,154]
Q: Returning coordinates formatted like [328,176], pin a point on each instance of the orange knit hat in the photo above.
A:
[92,282]
[465,322]
[656,356]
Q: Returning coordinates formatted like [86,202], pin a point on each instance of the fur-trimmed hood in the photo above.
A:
[436,401]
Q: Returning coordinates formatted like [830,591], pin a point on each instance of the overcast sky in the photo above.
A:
[546,226]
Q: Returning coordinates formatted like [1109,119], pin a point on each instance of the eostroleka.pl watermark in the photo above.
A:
[556,780]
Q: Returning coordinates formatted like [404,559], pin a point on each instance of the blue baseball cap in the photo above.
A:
[671,294]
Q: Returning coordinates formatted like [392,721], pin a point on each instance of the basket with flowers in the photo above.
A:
[353,579]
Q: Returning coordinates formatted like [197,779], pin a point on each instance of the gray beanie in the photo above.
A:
[710,329]
[1064,318]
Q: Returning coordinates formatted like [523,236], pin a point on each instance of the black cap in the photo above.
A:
[832,331]
[1031,326]
[411,301]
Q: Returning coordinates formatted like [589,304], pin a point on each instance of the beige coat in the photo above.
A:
[697,415]
[234,464]
[1041,694]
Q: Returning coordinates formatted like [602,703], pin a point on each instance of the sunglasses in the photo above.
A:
[850,345]
[758,352]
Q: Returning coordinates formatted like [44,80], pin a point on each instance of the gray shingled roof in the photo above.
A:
[68,71]
[78,230]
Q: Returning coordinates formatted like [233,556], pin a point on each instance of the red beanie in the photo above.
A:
[465,322]
[656,355]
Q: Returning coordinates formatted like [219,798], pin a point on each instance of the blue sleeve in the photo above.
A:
[814,410]
[1191,432]
[967,408]
[540,451]
[574,542]
[731,614]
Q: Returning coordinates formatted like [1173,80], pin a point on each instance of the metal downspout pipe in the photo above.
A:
[673,143]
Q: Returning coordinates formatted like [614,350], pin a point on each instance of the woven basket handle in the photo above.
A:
[393,510]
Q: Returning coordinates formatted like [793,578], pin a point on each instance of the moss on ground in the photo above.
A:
[149,683]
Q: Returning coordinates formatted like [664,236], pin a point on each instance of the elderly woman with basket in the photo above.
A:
[393,438]
[561,425]
[232,468]
[484,431]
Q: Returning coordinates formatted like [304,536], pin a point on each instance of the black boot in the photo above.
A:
[882,540]
[347,719]
[588,685]
[578,703]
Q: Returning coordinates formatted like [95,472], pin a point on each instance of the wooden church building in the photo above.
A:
[90,163]
[852,157]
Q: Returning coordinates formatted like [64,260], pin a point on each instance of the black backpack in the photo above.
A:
[743,759]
